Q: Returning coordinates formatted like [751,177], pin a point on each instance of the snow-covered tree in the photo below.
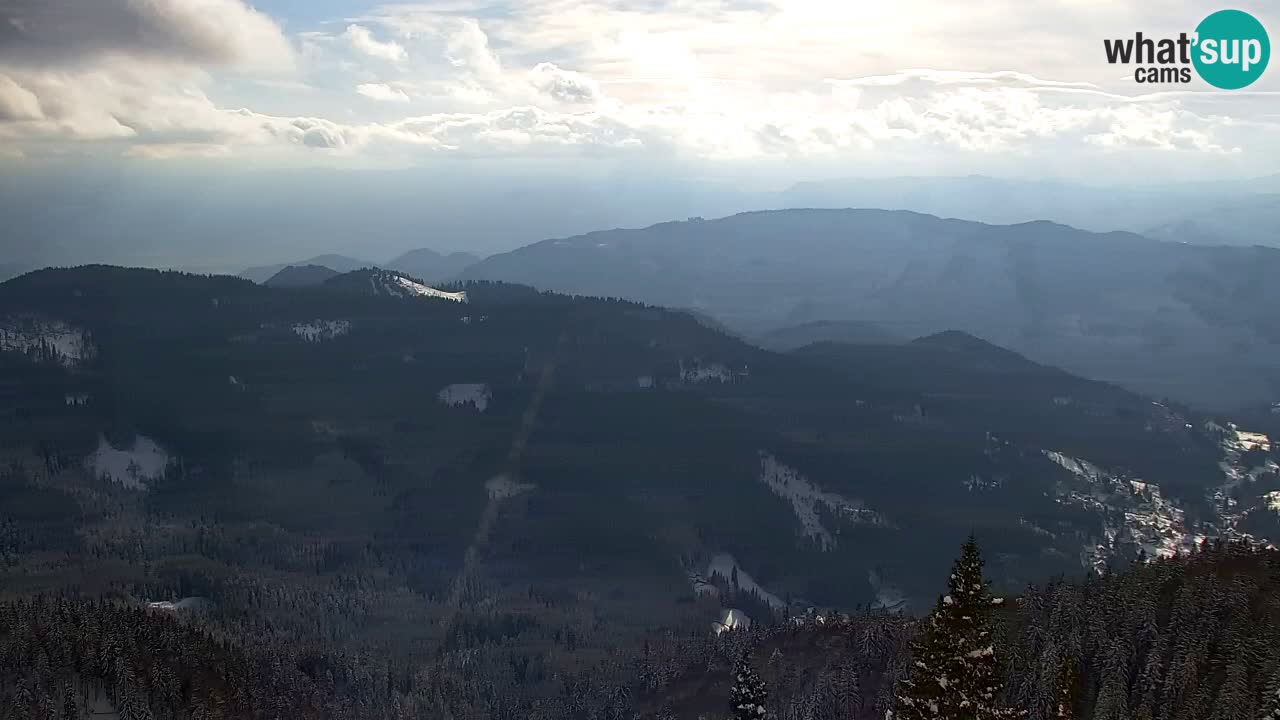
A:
[1271,699]
[954,674]
[748,696]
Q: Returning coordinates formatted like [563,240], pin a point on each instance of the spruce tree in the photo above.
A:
[748,696]
[70,710]
[1271,699]
[954,674]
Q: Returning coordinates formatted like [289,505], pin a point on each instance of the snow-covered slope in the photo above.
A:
[401,286]
[388,283]
[1135,514]
[51,340]
[731,619]
[133,467]
[787,483]
[724,565]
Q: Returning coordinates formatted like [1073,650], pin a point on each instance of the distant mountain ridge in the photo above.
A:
[301,276]
[1165,318]
[336,263]
[433,266]
[853,332]
[425,263]
[331,394]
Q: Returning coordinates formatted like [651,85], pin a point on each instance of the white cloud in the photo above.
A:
[361,39]
[802,81]
[382,92]
[564,85]
[17,103]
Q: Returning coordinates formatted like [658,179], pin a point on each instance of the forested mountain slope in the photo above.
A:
[532,483]
[1167,318]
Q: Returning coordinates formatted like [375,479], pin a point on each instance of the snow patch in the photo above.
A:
[503,487]
[51,340]
[888,596]
[142,462]
[321,330]
[724,565]
[475,394]
[1252,441]
[176,606]
[1273,500]
[789,484]
[731,619]
[701,587]
[977,483]
[404,287]
[699,373]
[1235,443]
[1135,514]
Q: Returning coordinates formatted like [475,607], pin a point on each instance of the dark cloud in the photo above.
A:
[43,32]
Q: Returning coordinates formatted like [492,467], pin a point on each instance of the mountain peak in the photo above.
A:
[301,276]
[432,265]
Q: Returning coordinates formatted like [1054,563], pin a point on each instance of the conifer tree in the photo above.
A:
[954,674]
[748,696]
[1065,697]
[70,711]
[1271,699]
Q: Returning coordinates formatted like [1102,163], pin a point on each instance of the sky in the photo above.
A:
[747,89]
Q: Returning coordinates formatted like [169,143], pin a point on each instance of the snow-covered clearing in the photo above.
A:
[133,467]
[47,339]
[1131,510]
[699,373]
[724,565]
[404,287]
[320,330]
[474,394]
[787,483]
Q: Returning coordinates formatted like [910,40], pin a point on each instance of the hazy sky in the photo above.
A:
[776,88]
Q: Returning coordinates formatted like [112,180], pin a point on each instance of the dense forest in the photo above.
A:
[219,499]
[1195,636]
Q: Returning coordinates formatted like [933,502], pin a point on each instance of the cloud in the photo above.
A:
[799,83]
[563,85]
[221,32]
[361,39]
[528,128]
[17,103]
[382,92]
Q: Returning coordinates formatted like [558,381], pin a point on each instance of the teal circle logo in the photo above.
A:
[1232,49]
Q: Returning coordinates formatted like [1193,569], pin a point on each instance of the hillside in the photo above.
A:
[387,283]
[300,276]
[337,263]
[538,481]
[1166,319]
